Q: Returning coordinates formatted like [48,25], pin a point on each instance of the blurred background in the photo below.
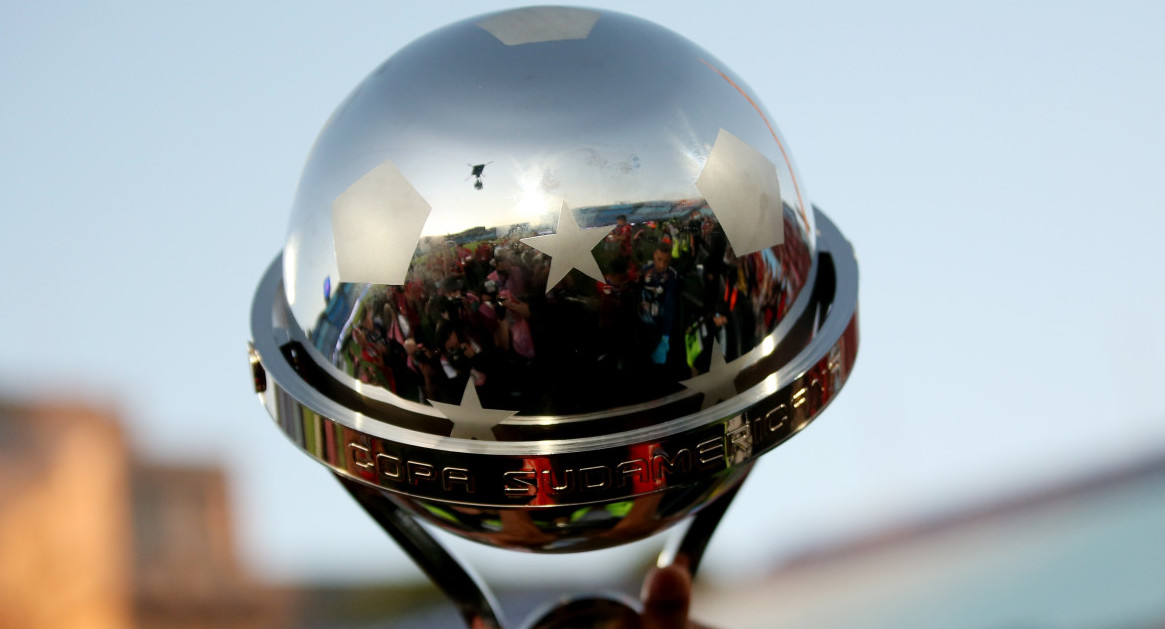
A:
[997,459]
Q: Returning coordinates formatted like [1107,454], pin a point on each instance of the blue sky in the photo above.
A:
[996,165]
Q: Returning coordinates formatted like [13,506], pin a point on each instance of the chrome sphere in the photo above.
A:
[552,282]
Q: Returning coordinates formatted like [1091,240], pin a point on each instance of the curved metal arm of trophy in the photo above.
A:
[475,602]
[687,547]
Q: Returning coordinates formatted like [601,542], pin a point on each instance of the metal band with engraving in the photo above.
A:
[646,459]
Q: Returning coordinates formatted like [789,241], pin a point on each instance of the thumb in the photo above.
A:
[666,595]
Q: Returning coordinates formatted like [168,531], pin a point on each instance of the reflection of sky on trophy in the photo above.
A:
[512,193]
[996,166]
[544,133]
[515,193]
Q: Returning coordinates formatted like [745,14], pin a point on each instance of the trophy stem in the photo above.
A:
[687,548]
[473,598]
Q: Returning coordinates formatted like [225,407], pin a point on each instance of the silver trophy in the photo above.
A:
[551,283]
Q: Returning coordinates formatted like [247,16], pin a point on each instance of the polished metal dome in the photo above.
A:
[552,232]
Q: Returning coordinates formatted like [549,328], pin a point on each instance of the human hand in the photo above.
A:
[666,595]
[518,307]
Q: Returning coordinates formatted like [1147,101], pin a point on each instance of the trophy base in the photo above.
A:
[571,528]
[477,604]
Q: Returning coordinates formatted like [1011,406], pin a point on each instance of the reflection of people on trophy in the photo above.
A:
[693,230]
[508,274]
[451,305]
[645,240]
[618,303]
[480,265]
[477,301]
[516,340]
[402,379]
[447,367]
[463,257]
[516,325]
[657,305]
[621,236]
[370,351]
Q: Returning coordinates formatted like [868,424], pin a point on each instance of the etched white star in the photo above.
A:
[569,247]
[376,224]
[470,420]
[539,24]
[718,383]
[741,187]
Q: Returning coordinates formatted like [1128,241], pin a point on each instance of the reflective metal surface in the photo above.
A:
[551,283]
[534,494]
[549,219]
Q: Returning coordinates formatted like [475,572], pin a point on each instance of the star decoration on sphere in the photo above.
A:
[718,384]
[569,247]
[741,187]
[470,420]
[376,224]
[532,25]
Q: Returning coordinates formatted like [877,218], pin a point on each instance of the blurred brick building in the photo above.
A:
[91,538]
[65,540]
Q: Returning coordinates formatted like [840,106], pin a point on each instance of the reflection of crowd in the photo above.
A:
[481,310]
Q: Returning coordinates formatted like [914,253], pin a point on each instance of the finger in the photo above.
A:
[666,595]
